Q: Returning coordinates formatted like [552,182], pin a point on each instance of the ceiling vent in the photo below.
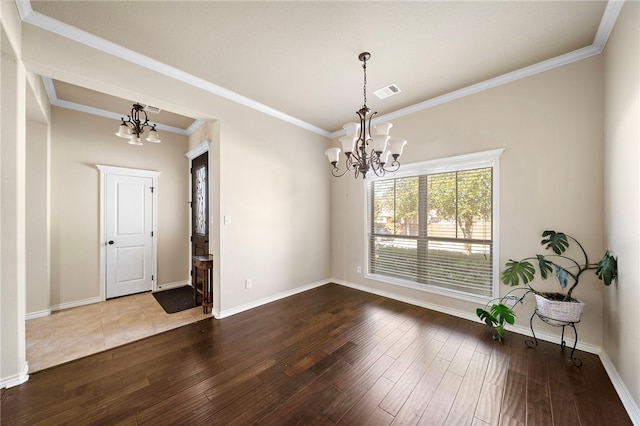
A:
[152,109]
[387,91]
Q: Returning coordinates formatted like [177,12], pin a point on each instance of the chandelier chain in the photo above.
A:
[364,90]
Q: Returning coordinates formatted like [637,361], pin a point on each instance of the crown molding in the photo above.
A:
[607,23]
[609,18]
[55,101]
[32,17]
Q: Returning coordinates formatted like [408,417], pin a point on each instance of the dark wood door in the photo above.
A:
[200,205]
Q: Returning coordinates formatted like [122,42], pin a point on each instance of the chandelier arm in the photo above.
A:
[146,119]
[395,164]
[336,171]
[379,171]
[369,124]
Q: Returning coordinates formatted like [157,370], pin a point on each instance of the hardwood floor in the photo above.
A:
[332,355]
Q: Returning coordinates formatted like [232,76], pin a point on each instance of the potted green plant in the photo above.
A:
[557,308]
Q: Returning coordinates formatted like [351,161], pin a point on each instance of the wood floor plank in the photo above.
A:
[465,352]
[431,381]
[360,414]
[489,403]
[357,386]
[398,395]
[329,355]
[513,411]
[379,417]
[409,355]
[463,408]
[314,396]
[498,364]
[438,409]
[174,410]
[538,400]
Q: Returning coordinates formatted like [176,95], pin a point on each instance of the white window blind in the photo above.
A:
[434,230]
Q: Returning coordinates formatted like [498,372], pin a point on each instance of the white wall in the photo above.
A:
[551,176]
[622,196]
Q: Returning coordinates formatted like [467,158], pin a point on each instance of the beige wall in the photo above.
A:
[79,142]
[274,186]
[287,215]
[551,176]
[13,362]
[38,282]
[622,195]
[271,176]
[38,188]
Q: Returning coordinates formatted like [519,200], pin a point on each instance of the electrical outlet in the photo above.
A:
[359,269]
[248,283]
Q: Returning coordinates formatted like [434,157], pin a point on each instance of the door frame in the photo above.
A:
[191,155]
[124,171]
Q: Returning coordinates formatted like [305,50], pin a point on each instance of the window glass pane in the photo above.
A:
[454,250]
[395,257]
[451,266]
[383,212]
[200,203]
[474,203]
[395,206]
[406,206]
[441,205]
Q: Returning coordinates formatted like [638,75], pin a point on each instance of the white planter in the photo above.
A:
[559,312]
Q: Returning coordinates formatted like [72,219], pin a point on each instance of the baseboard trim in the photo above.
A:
[38,314]
[586,347]
[233,311]
[169,286]
[16,379]
[75,304]
[90,301]
[623,392]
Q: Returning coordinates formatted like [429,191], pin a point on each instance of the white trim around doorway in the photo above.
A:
[123,171]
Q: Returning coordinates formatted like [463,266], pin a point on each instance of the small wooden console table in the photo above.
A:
[205,288]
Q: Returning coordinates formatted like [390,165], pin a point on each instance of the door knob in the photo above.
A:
[110,242]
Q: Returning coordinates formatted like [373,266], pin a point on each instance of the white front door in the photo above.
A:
[129,234]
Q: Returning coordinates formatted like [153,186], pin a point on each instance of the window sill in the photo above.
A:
[453,294]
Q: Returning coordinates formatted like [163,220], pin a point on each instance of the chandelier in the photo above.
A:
[367,148]
[137,127]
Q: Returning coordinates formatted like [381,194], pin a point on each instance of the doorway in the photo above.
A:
[199,212]
[128,224]
[200,205]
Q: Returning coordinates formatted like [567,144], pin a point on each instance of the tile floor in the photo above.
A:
[73,333]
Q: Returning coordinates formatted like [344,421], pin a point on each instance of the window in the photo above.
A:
[432,226]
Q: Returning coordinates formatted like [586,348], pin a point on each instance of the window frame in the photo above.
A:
[489,158]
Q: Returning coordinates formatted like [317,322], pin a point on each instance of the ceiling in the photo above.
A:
[301,57]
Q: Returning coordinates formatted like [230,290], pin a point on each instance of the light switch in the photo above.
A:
[227,220]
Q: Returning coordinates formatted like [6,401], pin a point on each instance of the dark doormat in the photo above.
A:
[175,300]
